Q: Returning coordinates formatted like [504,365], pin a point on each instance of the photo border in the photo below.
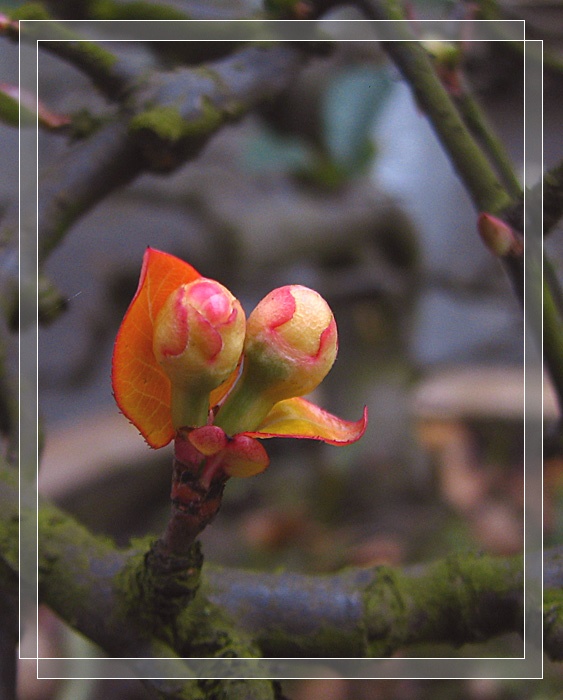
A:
[529,666]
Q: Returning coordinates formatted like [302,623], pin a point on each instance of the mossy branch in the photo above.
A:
[461,599]
[160,133]
[358,612]
[102,599]
[108,73]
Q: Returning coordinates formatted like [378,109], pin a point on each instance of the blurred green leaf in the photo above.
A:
[270,152]
[351,105]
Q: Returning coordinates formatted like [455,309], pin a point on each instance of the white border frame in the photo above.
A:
[529,666]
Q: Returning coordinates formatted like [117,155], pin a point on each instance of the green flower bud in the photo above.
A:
[291,344]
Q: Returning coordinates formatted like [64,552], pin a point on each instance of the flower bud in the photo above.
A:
[198,339]
[291,344]
[499,237]
[291,341]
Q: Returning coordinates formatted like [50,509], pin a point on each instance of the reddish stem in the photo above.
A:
[170,576]
[197,490]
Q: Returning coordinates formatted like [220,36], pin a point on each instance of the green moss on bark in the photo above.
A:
[169,125]
[457,600]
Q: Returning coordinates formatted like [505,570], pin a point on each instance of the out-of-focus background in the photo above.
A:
[341,186]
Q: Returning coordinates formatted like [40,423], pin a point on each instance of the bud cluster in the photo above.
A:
[189,366]
[289,344]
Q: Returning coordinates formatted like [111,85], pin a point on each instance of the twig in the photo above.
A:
[476,121]
[473,168]
[552,188]
[8,400]
[553,604]
[553,328]
[552,197]
[414,63]
[109,74]
[146,10]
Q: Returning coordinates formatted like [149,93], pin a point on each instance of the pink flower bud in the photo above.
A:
[291,341]
[291,344]
[499,237]
[198,340]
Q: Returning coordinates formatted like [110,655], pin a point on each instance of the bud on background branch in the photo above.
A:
[499,237]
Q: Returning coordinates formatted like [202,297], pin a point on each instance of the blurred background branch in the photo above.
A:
[297,191]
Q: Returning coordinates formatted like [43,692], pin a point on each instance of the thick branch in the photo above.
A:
[177,111]
[160,137]
[358,612]
[375,612]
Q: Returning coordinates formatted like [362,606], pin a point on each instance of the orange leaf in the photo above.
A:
[299,418]
[140,387]
[218,394]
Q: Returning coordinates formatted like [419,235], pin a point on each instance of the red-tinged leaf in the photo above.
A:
[208,439]
[140,387]
[244,456]
[299,418]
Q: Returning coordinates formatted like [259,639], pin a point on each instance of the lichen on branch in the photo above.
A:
[84,579]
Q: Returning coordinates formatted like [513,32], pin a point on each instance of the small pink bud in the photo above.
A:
[244,456]
[198,339]
[499,237]
[209,439]
[291,344]
[209,452]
